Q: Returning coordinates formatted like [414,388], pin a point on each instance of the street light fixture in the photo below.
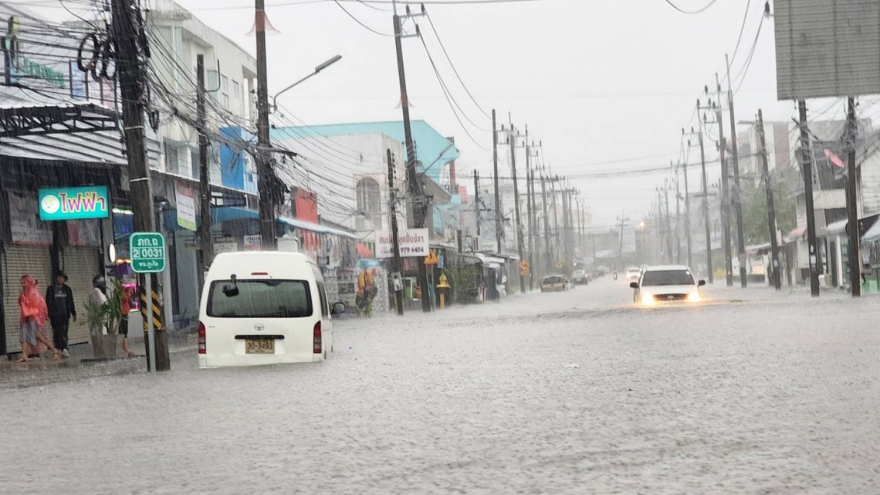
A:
[318,69]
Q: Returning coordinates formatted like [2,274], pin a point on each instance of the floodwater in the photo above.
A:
[568,393]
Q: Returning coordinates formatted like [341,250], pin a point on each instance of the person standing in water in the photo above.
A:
[34,314]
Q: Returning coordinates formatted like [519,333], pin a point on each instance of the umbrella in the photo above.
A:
[364,251]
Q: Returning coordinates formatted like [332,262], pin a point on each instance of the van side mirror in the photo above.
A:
[701,283]
[634,285]
[338,309]
[231,289]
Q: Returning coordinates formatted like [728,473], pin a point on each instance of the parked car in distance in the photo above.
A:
[554,283]
[264,308]
[667,284]
[580,277]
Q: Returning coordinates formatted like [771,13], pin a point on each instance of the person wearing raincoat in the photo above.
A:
[34,314]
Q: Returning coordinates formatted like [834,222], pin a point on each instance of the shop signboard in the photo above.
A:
[27,228]
[186,206]
[225,246]
[413,243]
[253,243]
[74,203]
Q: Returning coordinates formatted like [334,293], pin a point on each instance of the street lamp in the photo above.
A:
[318,69]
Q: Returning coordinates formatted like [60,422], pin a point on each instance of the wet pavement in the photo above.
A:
[578,392]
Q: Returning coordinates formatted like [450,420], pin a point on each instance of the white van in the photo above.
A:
[264,307]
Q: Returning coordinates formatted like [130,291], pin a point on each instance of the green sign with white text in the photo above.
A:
[147,251]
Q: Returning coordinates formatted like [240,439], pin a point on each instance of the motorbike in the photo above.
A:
[614,275]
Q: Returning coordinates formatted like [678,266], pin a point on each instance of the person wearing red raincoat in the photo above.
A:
[34,314]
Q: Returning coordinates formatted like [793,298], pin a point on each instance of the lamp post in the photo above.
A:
[318,69]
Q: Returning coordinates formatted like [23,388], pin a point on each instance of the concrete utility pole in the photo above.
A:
[556,248]
[547,252]
[477,200]
[519,230]
[677,217]
[417,197]
[498,213]
[205,235]
[530,211]
[807,166]
[623,220]
[852,184]
[668,224]
[687,216]
[737,192]
[725,188]
[776,280]
[132,84]
[266,177]
[395,241]
[706,216]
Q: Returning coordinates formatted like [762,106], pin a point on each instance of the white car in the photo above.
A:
[667,284]
[262,307]
[633,273]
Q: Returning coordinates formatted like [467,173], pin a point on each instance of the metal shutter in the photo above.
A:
[81,265]
[18,261]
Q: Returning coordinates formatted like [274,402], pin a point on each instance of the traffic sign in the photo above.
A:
[431,259]
[559,265]
[147,250]
[524,268]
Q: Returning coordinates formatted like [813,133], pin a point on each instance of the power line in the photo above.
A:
[691,12]
[368,28]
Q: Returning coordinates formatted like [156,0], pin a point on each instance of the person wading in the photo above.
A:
[33,316]
[59,300]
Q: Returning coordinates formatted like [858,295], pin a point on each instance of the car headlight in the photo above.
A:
[647,299]
[694,297]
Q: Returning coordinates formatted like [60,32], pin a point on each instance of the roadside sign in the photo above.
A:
[524,268]
[147,251]
[559,265]
[431,259]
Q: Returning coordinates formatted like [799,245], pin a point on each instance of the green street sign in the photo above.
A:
[147,251]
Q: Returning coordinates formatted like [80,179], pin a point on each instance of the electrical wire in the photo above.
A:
[692,12]
[368,28]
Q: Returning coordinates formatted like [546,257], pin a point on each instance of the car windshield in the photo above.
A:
[667,277]
[260,299]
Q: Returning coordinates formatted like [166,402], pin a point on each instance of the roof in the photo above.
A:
[433,149]
[660,268]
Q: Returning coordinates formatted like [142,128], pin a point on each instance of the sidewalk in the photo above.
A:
[81,365]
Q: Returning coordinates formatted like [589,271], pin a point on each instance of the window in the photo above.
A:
[369,200]
[224,84]
[172,159]
[667,277]
[261,299]
[325,310]
[236,89]
[224,100]
[195,165]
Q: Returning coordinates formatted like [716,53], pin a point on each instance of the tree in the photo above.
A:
[755,226]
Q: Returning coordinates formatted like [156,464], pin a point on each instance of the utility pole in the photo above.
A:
[519,229]
[132,84]
[266,178]
[725,189]
[622,221]
[677,219]
[737,192]
[547,251]
[530,211]
[498,213]
[807,167]
[668,224]
[852,213]
[566,224]
[395,242]
[776,280]
[418,199]
[687,216]
[706,202]
[556,250]
[207,240]
[477,200]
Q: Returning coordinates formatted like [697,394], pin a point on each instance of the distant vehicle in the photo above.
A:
[554,283]
[580,277]
[633,273]
[264,308]
[667,284]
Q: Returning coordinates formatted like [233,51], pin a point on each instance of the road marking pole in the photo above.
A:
[151,337]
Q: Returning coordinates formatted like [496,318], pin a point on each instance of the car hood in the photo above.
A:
[661,290]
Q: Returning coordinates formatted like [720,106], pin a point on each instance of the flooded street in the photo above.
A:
[575,392]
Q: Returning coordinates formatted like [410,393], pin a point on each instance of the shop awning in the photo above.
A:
[489,259]
[222,214]
[873,234]
[836,228]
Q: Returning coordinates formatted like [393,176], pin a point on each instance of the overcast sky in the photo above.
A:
[606,85]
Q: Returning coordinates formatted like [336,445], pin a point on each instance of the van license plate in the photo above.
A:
[259,346]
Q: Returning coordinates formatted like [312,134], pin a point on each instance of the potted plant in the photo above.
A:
[103,320]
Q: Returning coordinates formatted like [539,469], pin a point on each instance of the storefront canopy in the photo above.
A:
[222,214]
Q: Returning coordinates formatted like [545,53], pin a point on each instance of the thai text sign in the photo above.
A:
[147,252]
[74,203]
[413,243]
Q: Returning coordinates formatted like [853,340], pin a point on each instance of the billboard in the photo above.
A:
[74,203]
[413,243]
[827,48]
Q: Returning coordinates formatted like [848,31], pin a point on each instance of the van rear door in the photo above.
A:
[259,320]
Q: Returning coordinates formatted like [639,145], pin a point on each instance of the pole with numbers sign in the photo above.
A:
[147,251]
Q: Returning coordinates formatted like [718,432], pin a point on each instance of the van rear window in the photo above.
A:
[261,299]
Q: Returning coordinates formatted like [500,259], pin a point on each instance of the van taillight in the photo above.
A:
[316,339]
[202,347]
